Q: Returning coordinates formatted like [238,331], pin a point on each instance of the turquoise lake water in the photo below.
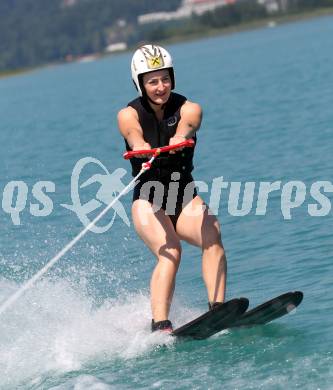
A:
[267,100]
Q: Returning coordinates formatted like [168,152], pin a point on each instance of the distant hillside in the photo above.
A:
[34,32]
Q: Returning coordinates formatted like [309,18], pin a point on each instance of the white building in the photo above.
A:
[274,5]
[68,3]
[187,8]
[114,47]
[201,6]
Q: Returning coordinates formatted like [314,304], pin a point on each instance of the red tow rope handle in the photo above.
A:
[189,143]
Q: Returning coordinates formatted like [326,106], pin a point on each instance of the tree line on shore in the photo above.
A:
[243,11]
[35,32]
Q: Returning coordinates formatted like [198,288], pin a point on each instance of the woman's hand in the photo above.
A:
[176,139]
[142,146]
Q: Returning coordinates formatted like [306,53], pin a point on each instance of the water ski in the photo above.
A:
[213,321]
[270,310]
[233,314]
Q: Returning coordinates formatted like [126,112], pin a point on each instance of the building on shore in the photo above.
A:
[274,5]
[68,3]
[187,8]
[198,7]
[114,47]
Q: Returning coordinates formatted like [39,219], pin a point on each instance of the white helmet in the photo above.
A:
[149,58]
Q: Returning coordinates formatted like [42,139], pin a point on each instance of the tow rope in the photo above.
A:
[145,166]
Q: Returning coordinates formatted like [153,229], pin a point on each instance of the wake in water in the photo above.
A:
[56,328]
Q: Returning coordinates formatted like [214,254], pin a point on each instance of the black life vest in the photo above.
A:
[158,133]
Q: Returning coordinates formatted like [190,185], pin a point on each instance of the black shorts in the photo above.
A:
[170,193]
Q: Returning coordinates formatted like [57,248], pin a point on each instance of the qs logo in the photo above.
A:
[110,186]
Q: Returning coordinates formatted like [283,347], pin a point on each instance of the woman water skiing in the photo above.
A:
[166,207]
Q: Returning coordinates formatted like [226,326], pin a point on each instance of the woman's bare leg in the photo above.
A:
[158,233]
[203,230]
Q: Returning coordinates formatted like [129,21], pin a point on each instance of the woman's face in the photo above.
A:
[158,86]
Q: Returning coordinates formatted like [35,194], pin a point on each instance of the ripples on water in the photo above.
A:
[267,101]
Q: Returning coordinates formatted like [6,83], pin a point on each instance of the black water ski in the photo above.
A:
[213,321]
[270,310]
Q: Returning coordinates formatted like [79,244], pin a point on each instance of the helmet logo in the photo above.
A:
[155,62]
[154,59]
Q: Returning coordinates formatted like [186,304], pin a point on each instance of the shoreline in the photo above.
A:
[253,25]
[205,33]
[17,72]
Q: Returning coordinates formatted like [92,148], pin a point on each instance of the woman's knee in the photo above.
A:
[218,251]
[170,253]
[211,236]
[216,255]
